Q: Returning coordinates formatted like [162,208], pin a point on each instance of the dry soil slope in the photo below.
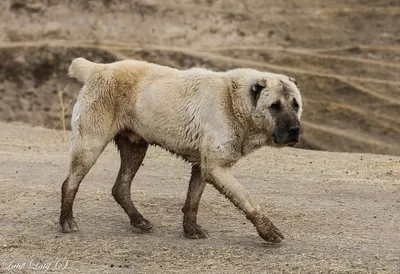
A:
[344,55]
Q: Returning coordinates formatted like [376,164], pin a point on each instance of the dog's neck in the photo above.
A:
[254,140]
[249,138]
[237,107]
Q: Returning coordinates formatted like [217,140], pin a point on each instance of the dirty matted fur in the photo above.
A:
[211,119]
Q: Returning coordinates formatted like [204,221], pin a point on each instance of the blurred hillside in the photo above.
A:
[344,54]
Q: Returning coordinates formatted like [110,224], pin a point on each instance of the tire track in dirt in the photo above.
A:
[357,47]
[309,52]
[268,9]
[115,47]
[361,140]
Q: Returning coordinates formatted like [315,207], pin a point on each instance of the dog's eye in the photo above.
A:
[295,105]
[276,106]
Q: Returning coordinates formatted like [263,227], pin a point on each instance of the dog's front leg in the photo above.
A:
[223,180]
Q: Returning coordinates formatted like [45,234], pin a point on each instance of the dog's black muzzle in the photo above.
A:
[289,137]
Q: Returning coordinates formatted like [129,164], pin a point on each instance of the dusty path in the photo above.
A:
[339,212]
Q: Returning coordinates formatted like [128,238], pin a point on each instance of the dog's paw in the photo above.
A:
[266,229]
[194,231]
[143,224]
[68,225]
[271,233]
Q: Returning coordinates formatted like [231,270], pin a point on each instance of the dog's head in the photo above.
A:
[276,106]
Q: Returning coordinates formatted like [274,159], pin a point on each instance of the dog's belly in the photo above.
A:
[189,156]
[182,148]
[187,153]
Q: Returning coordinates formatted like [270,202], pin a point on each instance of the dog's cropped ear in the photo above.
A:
[294,81]
[256,91]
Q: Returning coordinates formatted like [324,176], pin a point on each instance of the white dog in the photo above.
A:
[210,119]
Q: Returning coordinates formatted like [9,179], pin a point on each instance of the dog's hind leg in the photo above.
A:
[86,148]
[196,187]
[132,155]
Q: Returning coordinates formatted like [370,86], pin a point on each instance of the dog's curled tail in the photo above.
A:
[81,69]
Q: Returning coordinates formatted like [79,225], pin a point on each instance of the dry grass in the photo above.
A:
[62,113]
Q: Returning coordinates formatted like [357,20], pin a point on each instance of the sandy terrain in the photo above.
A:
[339,212]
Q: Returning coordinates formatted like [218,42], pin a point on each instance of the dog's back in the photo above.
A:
[134,92]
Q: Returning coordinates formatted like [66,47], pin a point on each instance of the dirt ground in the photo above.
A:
[339,212]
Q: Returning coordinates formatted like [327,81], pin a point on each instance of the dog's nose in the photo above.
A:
[294,133]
